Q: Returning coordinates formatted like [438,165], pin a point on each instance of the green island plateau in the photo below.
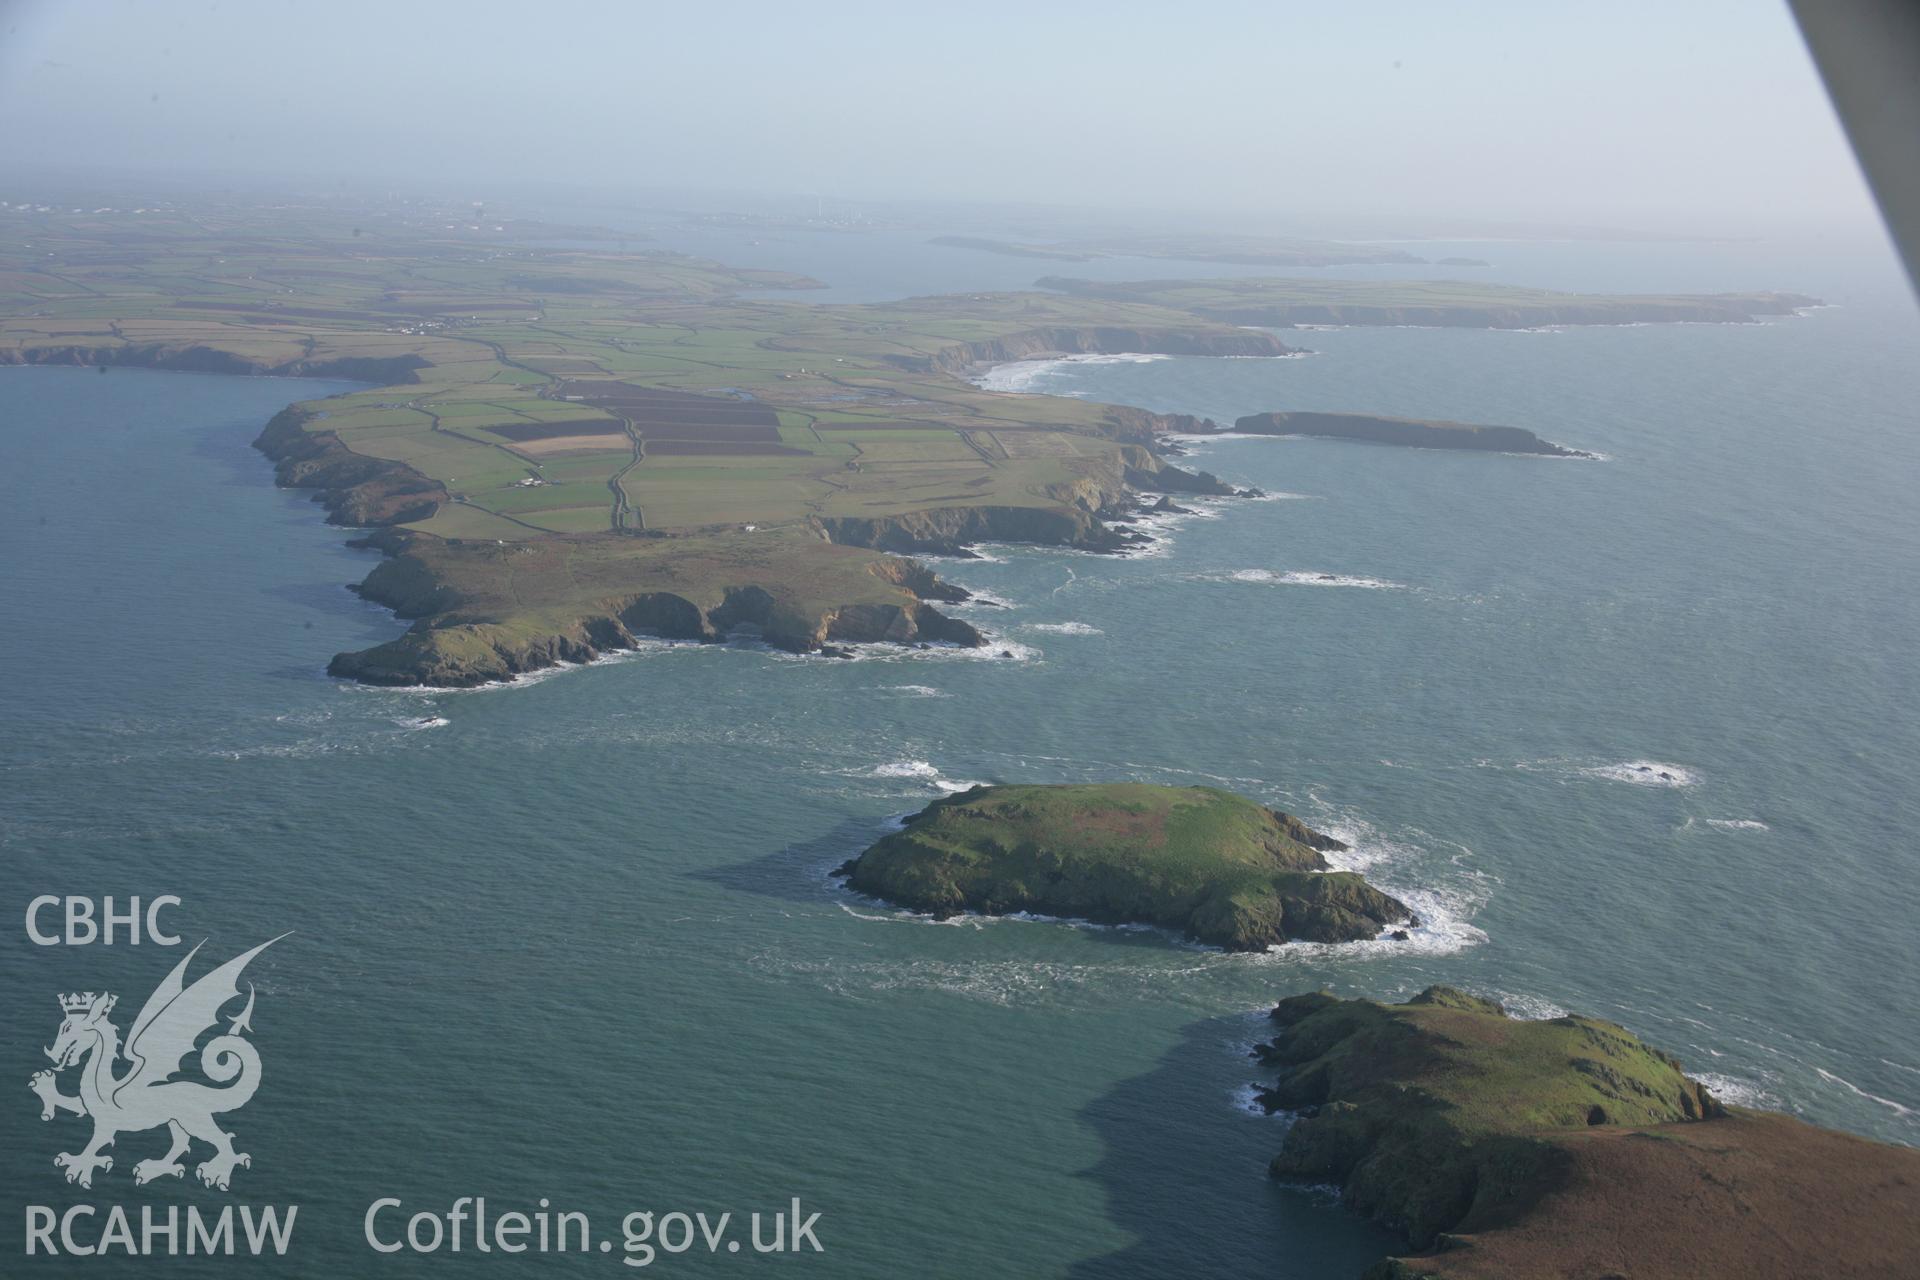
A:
[1409,432]
[1503,1149]
[567,447]
[1214,866]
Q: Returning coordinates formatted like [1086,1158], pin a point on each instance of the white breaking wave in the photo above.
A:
[1020,375]
[920,771]
[1644,773]
[915,690]
[1899,1109]
[1066,628]
[1529,1008]
[1309,578]
[1441,889]
[1738,824]
[978,599]
[1741,1093]
[997,648]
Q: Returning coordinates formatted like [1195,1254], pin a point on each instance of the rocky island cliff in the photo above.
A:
[488,611]
[1214,866]
[1503,1149]
[1410,432]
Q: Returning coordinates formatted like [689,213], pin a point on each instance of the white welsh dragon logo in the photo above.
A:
[146,1096]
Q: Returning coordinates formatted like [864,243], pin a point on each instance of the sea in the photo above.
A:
[1636,736]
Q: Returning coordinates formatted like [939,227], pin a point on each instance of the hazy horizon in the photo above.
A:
[1387,119]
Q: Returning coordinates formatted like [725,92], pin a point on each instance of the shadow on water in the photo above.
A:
[239,462]
[798,872]
[334,600]
[1177,1125]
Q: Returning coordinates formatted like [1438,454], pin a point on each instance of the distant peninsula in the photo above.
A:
[1213,865]
[1246,251]
[1277,303]
[1503,1149]
[564,449]
[1411,432]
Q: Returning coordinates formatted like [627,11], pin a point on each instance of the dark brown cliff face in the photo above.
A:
[1408,432]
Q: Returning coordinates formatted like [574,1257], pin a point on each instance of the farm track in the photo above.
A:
[621,504]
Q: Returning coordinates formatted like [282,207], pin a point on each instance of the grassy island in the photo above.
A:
[1216,866]
[1503,1149]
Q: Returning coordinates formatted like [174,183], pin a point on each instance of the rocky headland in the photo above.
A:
[487,611]
[1503,1149]
[1409,432]
[1212,865]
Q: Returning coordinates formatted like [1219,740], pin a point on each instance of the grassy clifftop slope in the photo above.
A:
[1504,1148]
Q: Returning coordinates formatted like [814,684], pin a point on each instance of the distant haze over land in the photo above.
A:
[1698,119]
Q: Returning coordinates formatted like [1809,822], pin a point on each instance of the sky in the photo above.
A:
[1703,117]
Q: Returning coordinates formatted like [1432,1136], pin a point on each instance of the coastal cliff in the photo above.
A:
[485,611]
[1074,517]
[1409,432]
[1143,427]
[1504,1149]
[356,489]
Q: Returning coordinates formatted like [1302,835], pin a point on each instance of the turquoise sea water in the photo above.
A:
[576,938]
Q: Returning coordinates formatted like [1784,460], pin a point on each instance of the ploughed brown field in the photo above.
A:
[520,432]
[727,431]
[758,447]
[572,444]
